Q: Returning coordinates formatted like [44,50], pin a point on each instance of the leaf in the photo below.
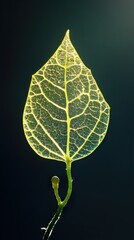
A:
[65,112]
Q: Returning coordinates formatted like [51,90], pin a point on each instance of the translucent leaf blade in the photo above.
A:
[65,112]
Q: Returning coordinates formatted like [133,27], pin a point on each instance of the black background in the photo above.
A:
[102,203]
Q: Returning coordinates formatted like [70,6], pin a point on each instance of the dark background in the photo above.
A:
[102,203]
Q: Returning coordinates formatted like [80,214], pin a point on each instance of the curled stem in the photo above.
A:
[55,185]
[61,204]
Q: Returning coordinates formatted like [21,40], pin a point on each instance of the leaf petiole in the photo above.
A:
[61,204]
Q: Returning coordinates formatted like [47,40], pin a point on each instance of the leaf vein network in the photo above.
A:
[86,139]
[44,95]
[40,143]
[49,135]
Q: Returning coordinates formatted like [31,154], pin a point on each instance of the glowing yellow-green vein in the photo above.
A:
[67,106]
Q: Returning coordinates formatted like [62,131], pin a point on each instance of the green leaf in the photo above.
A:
[66,115]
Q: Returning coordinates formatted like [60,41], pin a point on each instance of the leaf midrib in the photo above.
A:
[67,110]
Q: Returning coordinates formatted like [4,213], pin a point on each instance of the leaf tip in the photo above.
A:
[67,33]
